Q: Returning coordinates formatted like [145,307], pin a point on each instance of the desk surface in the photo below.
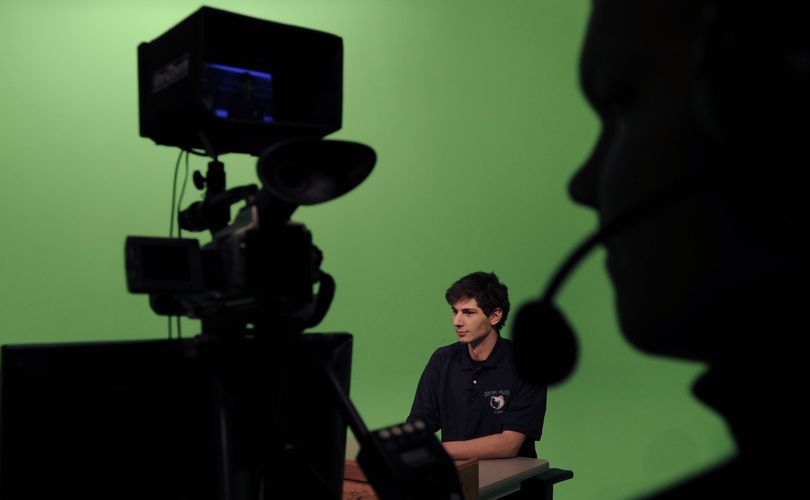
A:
[497,478]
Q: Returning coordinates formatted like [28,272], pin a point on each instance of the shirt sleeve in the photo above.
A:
[425,405]
[526,410]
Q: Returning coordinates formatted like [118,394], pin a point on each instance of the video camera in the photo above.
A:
[220,82]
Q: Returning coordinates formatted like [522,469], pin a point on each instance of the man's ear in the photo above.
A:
[495,317]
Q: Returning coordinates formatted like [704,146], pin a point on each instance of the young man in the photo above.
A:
[470,389]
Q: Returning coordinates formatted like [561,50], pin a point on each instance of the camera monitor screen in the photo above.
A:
[140,419]
[238,93]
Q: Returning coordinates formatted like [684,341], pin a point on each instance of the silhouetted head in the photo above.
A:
[486,289]
[706,94]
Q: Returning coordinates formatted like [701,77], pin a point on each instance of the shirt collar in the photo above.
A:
[492,361]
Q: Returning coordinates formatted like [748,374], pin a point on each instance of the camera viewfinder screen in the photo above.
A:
[165,263]
[235,93]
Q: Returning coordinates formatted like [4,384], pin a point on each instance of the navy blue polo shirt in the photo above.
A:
[468,399]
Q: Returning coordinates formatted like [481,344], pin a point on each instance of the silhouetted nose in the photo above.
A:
[584,185]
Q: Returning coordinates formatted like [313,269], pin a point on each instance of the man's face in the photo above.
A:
[638,73]
[471,324]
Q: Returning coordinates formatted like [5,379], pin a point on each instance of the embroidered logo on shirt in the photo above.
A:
[497,399]
[497,402]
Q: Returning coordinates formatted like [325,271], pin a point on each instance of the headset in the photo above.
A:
[753,81]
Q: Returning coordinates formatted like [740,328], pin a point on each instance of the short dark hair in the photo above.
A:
[488,292]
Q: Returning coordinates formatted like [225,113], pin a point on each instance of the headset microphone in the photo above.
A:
[546,347]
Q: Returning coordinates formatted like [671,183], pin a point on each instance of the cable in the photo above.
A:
[196,152]
[182,193]
[179,229]
[174,194]
[172,216]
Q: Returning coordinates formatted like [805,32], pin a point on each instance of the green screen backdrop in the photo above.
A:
[474,110]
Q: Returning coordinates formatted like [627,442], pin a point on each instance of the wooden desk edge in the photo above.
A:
[527,468]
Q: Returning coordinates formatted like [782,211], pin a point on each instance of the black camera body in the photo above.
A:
[244,274]
[263,265]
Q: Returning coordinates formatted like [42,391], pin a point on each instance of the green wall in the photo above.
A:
[474,110]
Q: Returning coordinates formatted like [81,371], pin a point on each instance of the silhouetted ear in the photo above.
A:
[496,316]
[751,94]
